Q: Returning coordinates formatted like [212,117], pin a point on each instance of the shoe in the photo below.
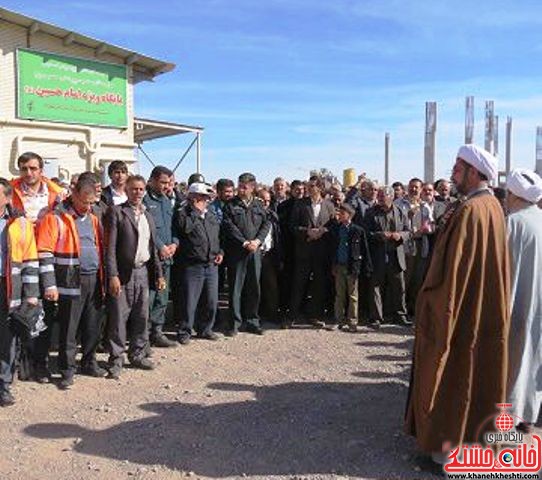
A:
[142,363]
[183,339]
[159,340]
[352,328]
[66,383]
[93,370]
[403,321]
[114,372]
[330,327]
[318,324]
[375,324]
[231,333]
[6,399]
[42,375]
[286,324]
[255,330]
[209,336]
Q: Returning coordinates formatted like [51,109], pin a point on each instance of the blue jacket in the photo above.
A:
[161,210]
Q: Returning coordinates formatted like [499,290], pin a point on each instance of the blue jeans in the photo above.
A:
[195,281]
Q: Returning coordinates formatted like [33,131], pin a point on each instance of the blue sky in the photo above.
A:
[285,86]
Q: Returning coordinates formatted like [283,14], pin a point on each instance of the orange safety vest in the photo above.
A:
[54,193]
[21,264]
[59,251]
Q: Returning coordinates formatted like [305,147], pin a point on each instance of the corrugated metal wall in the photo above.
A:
[69,144]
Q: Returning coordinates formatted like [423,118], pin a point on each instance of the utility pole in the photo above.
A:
[430,135]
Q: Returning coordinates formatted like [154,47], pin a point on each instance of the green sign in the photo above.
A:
[71,90]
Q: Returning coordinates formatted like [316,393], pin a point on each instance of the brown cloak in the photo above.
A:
[462,321]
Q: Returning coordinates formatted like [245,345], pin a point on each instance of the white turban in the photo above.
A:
[480,159]
[525,184]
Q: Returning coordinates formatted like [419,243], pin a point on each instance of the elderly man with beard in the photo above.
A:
[460,354]
[524,190]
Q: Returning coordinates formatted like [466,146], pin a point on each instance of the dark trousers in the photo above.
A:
[270,297]
[317,269]
[80,313]
[7,342]
[42,344]
[128,315]
[158,300]
[388,293]
[198,280]
[244,290]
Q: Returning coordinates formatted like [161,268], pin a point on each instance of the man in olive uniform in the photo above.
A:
[245,227]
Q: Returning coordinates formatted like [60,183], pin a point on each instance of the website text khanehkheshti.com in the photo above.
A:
[492,475]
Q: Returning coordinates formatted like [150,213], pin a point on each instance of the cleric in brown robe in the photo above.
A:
[462,317]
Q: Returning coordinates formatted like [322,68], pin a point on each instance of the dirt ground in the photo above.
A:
[293,404]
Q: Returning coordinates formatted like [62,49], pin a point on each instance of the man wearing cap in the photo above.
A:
[462,317]
[245,227]
[200,254]
[524,190]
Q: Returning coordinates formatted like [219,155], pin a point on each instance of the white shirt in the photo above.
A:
[316,207]
[35,204]
[118,198]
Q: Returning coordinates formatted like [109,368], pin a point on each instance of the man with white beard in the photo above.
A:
[524,190]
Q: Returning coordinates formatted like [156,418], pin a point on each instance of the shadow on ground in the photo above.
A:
[289,429]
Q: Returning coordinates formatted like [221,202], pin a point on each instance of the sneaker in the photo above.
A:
[159,340]
[231,333]
[209,336]
[6,399]
[66,383]
[93,370]
[352,328]
[142,363]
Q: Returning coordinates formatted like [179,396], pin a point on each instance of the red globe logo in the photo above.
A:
[504,422]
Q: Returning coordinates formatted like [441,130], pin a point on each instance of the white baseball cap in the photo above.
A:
[201,189]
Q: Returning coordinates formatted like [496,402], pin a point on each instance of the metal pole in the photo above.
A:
[508,153]
[184,155]
[469,119]
[538,167]
[198,153]
[387,159]
[429,148]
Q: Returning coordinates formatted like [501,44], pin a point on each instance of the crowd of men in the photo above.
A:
[103,264]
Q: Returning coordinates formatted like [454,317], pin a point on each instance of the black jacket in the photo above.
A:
[359,257]
[199,238]
[243,223]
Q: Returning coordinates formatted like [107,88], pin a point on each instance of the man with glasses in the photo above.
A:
[33,193]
